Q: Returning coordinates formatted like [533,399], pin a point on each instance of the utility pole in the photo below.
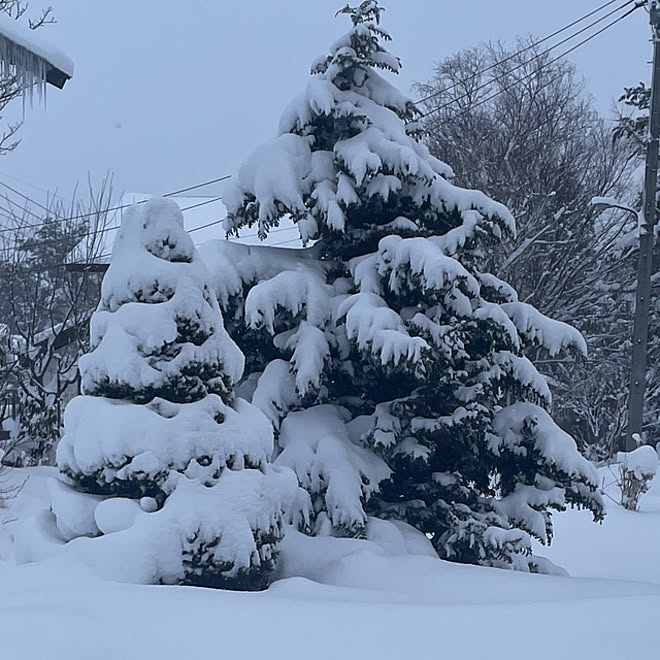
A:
[645,265]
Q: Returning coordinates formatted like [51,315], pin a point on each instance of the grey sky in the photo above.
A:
[168,93]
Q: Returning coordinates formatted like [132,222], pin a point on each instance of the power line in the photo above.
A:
[222,178]
[7,214]
[96,232]
[492,96]
[23,207]
[292,240]
[31,185]
[529,47]
[25,197]
[525,63]
[533,73]
[93,213]
[199,185]
[80,236]
[232,239]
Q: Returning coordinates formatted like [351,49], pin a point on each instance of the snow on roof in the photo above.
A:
[203,219]
[24,52]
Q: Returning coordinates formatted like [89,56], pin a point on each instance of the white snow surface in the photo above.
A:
[132,441]
[74,515]
[145,547]
[553,335]
[379,329]
[292,290]
[386,597]
[233,265]
[643,461]
[275,393]
[154,254]
[317,446]
[553,443]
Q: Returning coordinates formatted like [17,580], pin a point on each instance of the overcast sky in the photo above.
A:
[169,93]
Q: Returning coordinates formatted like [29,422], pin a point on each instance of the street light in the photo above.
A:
[641,320]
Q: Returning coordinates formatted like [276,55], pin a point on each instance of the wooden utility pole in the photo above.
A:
[645,265]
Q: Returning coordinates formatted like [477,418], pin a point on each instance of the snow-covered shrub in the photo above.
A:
[180,466]
[8,488]
[390,321]
[637,469]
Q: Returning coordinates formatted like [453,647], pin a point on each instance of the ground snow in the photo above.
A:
[625,547]
[385,598]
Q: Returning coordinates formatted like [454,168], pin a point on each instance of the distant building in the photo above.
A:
[203,219]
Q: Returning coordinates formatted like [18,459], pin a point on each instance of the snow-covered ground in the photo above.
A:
[357,599]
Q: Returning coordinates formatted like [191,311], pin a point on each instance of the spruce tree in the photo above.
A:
[173,465]
[388,334]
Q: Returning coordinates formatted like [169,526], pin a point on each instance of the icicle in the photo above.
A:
[29,69]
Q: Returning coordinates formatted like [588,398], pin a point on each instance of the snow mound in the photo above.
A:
[74,513]
[642,462]
[226,534]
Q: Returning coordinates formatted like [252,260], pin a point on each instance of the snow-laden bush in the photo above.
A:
[391,362]
[164,460]
[8,489]
[637,469]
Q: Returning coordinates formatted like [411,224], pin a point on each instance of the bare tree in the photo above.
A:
[46,311]
[522,128]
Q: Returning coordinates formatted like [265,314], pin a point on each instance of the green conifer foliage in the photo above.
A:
[390,318]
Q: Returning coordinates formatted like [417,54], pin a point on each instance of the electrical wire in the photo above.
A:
[531,74]
[222,178]
[233,239]
[427,98]
[536,43]
[104,230]
[93,213]
[422,100]
[194,229]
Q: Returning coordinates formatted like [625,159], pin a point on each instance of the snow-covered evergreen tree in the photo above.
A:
[171,464]
[394,359]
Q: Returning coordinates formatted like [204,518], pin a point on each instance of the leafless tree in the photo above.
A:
[46,310]
[522,128]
